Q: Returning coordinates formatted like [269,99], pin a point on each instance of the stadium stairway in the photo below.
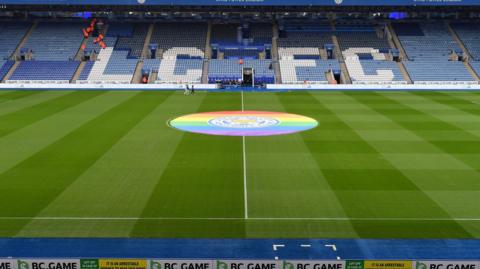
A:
[208,54]
[275,62]
[467,54]
[396,41]
[148,38]
[24,39]
[11,71]
[77,73]
[405,74]
[338,55]
[137,74]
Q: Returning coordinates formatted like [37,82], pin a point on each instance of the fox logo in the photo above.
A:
[23,265]
[155,265]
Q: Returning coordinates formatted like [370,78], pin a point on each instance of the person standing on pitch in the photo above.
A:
[187,90]
[193,89]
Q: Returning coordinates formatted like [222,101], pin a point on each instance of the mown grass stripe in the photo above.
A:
[142,155]
[24,143]
[363,197]
[452,101]
[465,142]
[17,105]
[5,91]
[285,183]
[204,178]
[42,177]
[14,121]
[14,95]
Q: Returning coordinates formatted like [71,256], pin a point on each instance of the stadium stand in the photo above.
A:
[11,33]
[55,41]
[304,35]
[225,33]
[468,34]
[151,65]
[241,46]
[299,52]
[131,38]
[111,66]
[116,63]
[230,71]
[170,35]
[4,68]
[44,72]
[429,47]
[312,71]
[365,49]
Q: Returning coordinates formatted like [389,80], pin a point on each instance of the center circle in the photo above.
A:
[243,123]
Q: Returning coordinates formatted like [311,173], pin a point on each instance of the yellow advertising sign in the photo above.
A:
[388,265]
[122,264]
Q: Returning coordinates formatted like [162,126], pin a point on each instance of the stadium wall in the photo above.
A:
[214,87]
[230,264]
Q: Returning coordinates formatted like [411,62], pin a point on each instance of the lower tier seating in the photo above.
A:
[44,71]
[431,72]
[374,72]
[231,71]
[5,67]
[180,71]
[301,71]
[111,66]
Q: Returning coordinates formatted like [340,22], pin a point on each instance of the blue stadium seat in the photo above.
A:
[45,70]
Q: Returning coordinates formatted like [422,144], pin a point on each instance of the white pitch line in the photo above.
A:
[227,219]
[245,194]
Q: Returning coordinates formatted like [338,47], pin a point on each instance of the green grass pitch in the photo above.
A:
[105,164]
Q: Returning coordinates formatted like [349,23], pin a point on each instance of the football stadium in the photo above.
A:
[240,134]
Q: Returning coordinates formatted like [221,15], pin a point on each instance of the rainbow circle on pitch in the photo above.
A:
[243,123]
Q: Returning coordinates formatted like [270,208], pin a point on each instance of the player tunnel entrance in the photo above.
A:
[248,77]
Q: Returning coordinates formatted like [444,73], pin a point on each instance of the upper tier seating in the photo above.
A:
[231,70]
[11,33]
[360,37]
[169,35]
[468,33]
[44,71]
[261,33]
[425,41]
[55,41]
[133,42]
[225,33]
[312,71]
[428,47]
[304,36]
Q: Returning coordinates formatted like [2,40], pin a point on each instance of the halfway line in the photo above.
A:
[245,194]
[227,219]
